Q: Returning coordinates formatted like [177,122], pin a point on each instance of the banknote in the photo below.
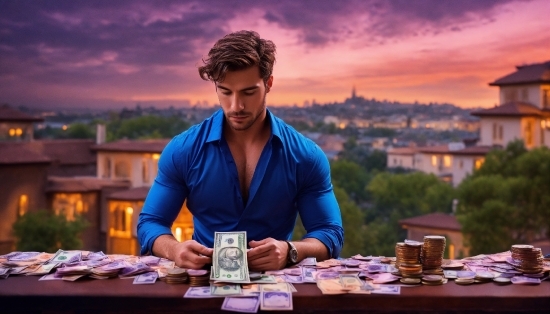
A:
[225,290]
[276,301]
[66,257]
[198,293]
[229,259]
[330,286]
[42,270]
[350,282]
[387,289]
[243,305]
[308,274]
[148,278]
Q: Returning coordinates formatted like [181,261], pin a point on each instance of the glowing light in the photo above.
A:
[543,124]
[178,234]
[18,132]
[129,210]
[12,132]
[156,156]
[64,128]
[434,160]
[23,204]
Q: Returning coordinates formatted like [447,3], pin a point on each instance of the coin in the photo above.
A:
[410,281]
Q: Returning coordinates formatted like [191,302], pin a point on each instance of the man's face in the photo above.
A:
[242,97]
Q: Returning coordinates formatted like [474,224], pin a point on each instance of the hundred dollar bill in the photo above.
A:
[66,257]
[229,258]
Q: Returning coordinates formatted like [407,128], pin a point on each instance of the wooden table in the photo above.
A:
[25,294]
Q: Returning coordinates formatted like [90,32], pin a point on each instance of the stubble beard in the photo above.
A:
[248,125]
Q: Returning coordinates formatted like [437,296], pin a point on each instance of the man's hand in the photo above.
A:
[267,254]
[187,254]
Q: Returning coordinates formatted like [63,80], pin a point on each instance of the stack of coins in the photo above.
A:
[407,259]
[198,278]
[529,258]
[432,280]
[465,277]
[432,252]
[176,276]
[483,276]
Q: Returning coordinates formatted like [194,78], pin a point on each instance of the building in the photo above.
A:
[437,224]
[524,114]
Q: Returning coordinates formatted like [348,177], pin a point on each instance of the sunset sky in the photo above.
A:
[111,54]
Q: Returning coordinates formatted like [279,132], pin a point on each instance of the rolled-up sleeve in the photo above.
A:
[317,204]
[165,198]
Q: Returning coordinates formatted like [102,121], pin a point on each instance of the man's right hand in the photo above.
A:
[188,254]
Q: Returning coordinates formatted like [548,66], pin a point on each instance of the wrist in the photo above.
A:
[292,254]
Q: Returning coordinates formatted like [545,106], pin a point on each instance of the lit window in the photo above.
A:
[156,156]
[451,251]
[478,163]
[23,205]
[543,124]
[18,132]
[529,134]
[129,210]
[447,161]
[12,132]
[434,160]
[145,171]
[461,164]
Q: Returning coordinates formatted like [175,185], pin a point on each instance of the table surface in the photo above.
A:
[25,294]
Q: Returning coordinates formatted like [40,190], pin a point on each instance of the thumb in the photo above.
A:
[201,249]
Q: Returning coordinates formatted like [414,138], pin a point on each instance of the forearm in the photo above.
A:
[311,247]
[164,246]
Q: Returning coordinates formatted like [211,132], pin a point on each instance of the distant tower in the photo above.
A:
[353,95]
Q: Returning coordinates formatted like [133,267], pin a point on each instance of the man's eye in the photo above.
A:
[226,93]
[249,93]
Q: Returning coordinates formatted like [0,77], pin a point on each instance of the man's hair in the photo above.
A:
[238,51]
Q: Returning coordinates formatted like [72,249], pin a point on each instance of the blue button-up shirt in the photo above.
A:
[292,176]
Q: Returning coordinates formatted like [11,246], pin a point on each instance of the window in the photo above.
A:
[122,170]
[546,98]
[529,134]
[478,163]
[510,94]
[107,167]
[395,161]
[524,94]
[494,131]
[23,205]
[434,160]
[145,171]
[500,132]
[461,164]
[69,205]
[447,161]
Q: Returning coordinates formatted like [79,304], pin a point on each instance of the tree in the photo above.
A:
[400,196]
[351,177]
[352,222]
[44,231]
[146,127]
[80,130]
[506,201]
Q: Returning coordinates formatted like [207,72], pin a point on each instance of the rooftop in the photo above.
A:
[8,114]
[82,184]
[526,74]
[133,146]
[402,151]
[433,220]
[135,194]
[511,109]
[12,153]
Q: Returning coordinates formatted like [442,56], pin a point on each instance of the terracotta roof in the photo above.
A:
[134,146]
[135,194]
[19,153]
[526,74]
[510,109]
[439,149]
[66,152]
[82,184]
[402,151]
[9,114]
[473,150]
[433,220]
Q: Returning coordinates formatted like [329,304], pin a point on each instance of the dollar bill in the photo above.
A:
[225,290]
[243,305]
[229,259]
[276,301]
[350,281]
[66,257]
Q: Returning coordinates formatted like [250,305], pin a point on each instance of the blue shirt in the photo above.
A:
[292,176]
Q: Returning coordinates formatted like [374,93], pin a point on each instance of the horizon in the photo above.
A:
[99,54]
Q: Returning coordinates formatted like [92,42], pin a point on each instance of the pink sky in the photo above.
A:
[425,51]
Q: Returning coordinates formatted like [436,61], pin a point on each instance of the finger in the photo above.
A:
[258,253]
[258,243]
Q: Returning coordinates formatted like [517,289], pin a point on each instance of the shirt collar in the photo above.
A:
[215,133]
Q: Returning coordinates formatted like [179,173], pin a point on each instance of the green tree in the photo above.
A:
[146,127]
[44,231]
[351,177]
[352,222]
[80,130]
[506,201]
[400,196]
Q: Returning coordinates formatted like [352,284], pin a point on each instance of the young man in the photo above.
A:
[242,169]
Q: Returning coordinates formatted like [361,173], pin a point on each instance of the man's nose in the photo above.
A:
[237,103]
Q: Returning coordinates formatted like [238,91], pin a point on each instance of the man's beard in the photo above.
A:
[244,113]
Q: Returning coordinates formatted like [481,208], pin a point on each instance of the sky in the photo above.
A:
[114,54]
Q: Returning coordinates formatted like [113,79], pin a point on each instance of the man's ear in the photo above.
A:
[268,84]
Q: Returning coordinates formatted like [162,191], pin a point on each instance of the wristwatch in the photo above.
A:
[292,256]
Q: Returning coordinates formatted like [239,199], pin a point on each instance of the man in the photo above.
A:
[242,169]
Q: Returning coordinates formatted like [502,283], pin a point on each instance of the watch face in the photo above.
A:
[294,255]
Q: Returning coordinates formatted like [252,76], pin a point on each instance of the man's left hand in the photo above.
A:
[267,254]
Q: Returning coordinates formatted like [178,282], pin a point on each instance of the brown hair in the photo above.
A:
[238,51]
